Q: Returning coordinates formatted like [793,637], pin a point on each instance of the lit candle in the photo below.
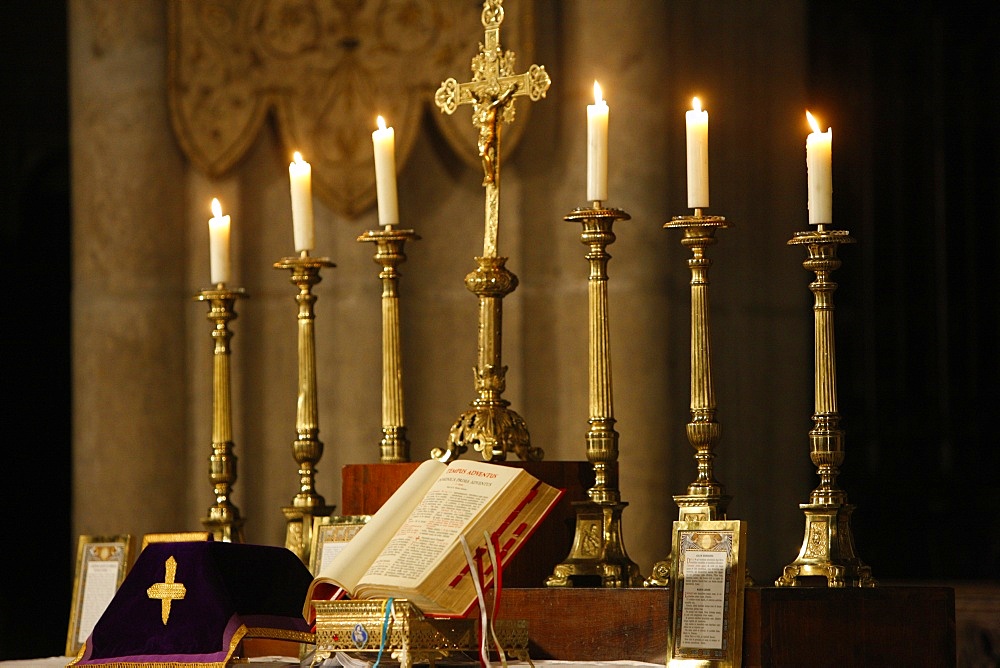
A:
[597,147]
[218,244]
[819,150]
[300,175]
[697,155]
[384,141]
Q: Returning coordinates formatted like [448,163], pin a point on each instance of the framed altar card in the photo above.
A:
[101,565]
[330,535]
[708,574]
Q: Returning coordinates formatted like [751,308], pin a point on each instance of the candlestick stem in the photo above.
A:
[706,498]
[490,427]
[307,449]
[224,519]
[828,546]
[597,556]
[394,447]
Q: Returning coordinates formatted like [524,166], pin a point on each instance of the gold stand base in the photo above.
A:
[700,508]
[827,550]
[227,528]
[692,508]
[299,528]
[394,448]
[598,557]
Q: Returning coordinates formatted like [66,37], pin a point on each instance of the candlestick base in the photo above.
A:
[597,557]
[394,448]
[827,550]
[224,526]
[691,508]
[489,427]
[299,528]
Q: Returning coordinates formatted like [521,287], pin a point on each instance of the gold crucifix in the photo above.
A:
[491,94]
[168,590]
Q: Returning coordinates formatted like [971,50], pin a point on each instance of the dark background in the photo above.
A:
[916,183]
[35,457]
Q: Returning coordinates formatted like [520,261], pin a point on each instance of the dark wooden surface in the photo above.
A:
[909,627]
[367,486]
[808,627]
[977,622]
[592,624]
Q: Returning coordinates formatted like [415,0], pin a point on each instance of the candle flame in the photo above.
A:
[297,157]
[216,207]
[598,96]
[813,123]
[381,123]
[696,104]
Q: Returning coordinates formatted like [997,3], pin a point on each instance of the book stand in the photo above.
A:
[410,637]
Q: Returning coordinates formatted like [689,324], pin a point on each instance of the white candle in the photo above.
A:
[597,147]
[819,150]
[300,176]
[218,244]
[697,155]
[384,141]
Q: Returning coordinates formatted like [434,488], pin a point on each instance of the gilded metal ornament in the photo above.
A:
[706,498]
[307,449]
[597,556]
[491,94]
[224,520]
[398,629]
[489,427]
[394,447]
[828,545]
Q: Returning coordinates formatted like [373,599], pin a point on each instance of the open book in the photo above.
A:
[411,548]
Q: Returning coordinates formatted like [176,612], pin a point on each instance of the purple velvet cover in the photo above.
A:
[232,590]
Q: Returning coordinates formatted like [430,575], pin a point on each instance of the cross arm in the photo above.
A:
[534,83]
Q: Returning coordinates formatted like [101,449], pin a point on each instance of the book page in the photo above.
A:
[455,500]
[351,563]
[704,599]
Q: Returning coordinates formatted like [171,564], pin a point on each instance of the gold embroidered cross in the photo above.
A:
[168,590]
[491,94]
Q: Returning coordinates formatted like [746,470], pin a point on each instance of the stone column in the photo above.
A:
[129,291]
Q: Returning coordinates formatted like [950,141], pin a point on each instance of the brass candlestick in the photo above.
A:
[706,498]
[828,546]
[307,449]
[394,447]
[597,556]
[490,427]
[224,520]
